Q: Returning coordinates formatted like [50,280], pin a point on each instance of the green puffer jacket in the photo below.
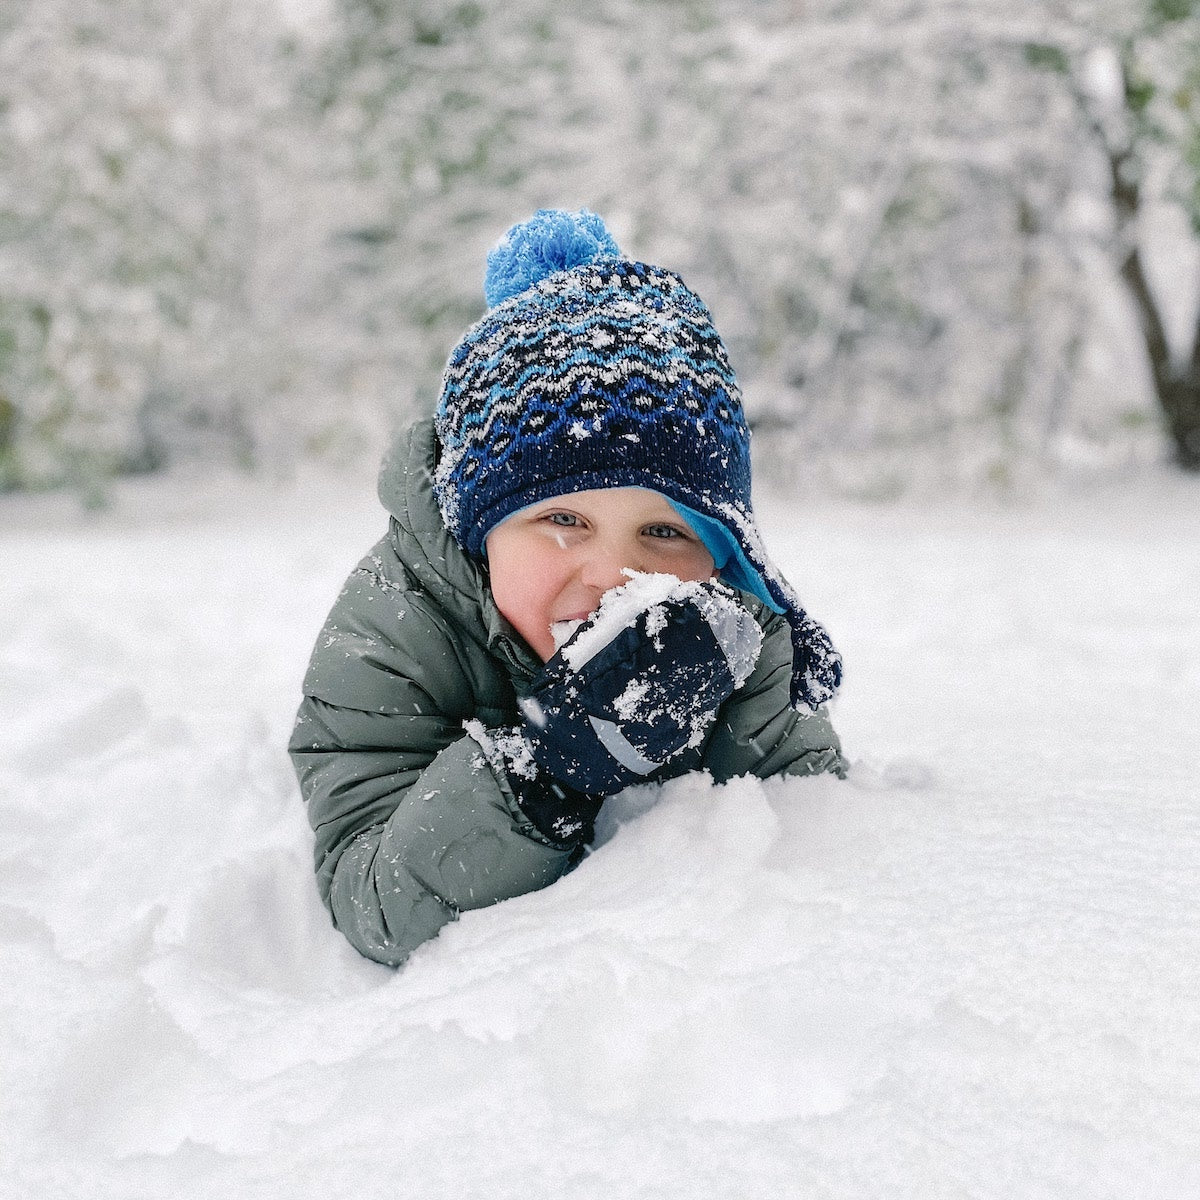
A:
[412,823]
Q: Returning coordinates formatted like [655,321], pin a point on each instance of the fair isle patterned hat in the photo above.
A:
[592,371]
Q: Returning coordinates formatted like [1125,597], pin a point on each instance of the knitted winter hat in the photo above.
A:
[592,371]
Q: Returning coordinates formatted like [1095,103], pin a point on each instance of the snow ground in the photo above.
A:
[970,971]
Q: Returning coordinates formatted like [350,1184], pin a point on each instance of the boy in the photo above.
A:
[572,597]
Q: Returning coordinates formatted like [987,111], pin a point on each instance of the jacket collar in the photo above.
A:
[432,557]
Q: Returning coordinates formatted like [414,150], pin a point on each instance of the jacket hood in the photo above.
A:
[431,556]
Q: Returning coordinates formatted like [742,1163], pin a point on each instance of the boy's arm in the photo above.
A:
[412,823]
[759,733]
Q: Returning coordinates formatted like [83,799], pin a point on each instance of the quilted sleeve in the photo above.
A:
[412,823]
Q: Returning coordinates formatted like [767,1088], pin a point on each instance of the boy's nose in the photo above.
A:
[605,566]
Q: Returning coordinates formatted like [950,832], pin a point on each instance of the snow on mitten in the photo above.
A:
[639,682]
[560,813]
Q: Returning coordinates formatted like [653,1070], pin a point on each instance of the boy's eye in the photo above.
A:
[562,518]
[663,531]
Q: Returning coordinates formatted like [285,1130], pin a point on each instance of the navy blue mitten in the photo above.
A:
[639,682]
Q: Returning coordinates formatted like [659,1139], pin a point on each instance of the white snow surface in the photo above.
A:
[971,970]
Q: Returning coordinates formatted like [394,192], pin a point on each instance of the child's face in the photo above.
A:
[553,561]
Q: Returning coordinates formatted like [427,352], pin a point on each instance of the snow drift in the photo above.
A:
[969,970]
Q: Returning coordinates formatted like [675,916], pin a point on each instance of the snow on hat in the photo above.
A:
[589,371]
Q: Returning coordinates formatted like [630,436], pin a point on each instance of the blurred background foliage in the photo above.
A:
[948,244]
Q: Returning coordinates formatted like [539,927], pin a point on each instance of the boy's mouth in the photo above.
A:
[561,631]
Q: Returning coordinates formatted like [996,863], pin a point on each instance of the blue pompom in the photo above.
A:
[551,240]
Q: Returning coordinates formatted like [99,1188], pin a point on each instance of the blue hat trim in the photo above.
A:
[816,665]
[730,559]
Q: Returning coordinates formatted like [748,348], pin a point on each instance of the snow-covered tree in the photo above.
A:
[135,138]
[1136,81]
[261,226]
[882,205]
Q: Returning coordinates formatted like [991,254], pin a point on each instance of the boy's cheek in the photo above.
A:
[529,616]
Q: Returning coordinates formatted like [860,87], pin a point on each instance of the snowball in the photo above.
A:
[735,629]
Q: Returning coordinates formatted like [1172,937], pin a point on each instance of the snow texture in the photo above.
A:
[505,749]
[970,970]
[561,631]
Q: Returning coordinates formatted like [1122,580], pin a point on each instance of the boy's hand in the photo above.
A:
[639,682]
